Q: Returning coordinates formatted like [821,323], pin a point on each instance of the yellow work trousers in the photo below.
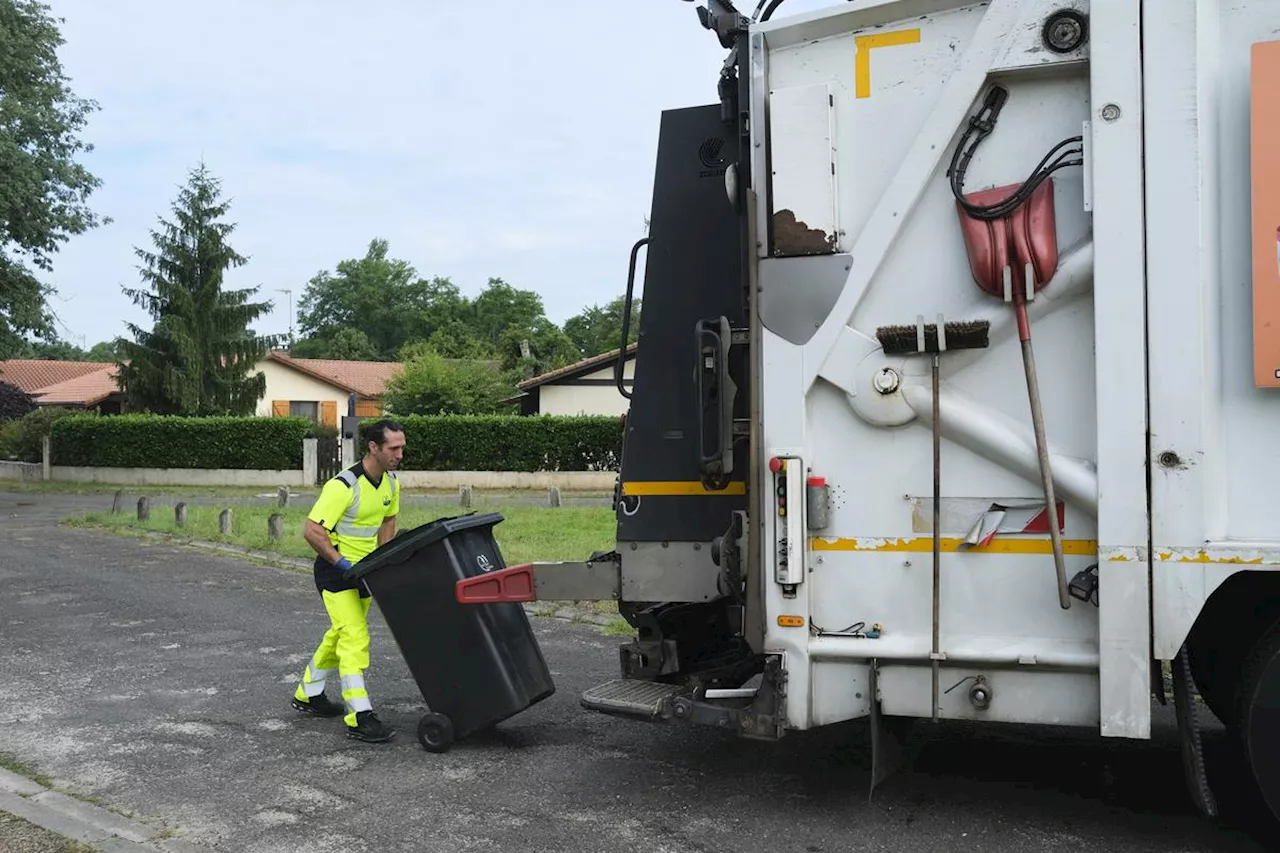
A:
[344,649]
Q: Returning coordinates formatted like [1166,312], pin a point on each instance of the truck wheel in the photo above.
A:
[1258,717]
[435,732]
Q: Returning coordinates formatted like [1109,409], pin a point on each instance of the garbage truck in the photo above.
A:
[957,387]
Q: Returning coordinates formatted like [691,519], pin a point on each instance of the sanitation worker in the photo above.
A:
[355,513]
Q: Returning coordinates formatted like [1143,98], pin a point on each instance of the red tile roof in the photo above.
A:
[31,375]
[87,390]
[366,378]
[586,365]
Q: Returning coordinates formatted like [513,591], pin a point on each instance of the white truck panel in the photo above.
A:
[1119,287]
[1214,458]
[1155,254]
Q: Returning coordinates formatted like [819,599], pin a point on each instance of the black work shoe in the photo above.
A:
[369,728]
[318,706]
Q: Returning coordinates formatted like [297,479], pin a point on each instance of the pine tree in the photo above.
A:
[197,358]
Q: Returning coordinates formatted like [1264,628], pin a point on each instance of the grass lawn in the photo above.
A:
[526,534]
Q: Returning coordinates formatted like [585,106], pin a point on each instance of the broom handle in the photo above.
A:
[1042,450]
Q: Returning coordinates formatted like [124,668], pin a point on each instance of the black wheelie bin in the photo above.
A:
[476,665]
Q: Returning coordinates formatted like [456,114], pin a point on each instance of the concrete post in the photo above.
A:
[464,496]
[553,496]
[282,496]
[224,522]
[180,515]
[144,508]
[117,503]
[310,460]
[46,451]
[275,527]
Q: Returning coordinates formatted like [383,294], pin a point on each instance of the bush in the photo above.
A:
[14,402]
[10,440]
[35,426]
[160,441]
[510,443]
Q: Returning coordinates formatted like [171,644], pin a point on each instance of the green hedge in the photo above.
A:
[156,441]
[435,443]
[510,443]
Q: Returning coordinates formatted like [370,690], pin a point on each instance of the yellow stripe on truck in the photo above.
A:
[924,545]
[663,489]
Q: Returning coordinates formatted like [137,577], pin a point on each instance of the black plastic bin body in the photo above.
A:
[476,664]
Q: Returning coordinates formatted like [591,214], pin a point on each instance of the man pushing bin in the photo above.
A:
[355,514]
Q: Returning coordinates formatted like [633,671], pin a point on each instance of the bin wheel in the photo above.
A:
[435,732]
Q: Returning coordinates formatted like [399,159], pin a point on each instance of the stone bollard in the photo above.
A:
[117,503]
[282,496]
[180,515]
[144,508]
[464,496]
[553,496]
[224,522]
[275,527]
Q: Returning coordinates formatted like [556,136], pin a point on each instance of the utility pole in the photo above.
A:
[289,293]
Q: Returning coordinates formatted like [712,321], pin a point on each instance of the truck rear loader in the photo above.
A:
[957,389]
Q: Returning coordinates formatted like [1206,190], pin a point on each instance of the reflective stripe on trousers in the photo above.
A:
[344,648]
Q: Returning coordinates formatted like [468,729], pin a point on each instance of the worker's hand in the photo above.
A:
[344,566]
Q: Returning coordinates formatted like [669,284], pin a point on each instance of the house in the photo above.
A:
[315,388]
[321,388]
[85,385]
[586,387]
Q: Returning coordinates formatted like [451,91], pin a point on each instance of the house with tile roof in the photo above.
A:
[586,387]
[320,389]
[86,385]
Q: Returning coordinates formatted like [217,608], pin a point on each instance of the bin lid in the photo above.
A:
[412,541]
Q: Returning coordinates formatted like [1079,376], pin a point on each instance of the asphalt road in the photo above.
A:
[156,680]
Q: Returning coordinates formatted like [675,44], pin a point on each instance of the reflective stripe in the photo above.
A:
[314,678]
[347,527]
[352,530]
[313,673]
[349,478]
[354,694]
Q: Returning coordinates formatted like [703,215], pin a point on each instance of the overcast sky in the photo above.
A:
[504,139]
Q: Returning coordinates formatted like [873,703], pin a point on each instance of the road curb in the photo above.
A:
[84,822]
[563,612]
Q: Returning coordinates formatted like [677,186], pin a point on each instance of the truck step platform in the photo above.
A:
[629,697]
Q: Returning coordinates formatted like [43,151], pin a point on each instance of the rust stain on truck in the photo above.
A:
[793,237]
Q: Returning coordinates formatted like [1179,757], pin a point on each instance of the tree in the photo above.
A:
[104,351]
[539,348]
[500,307]
[378,295]
[430,384]
[197,358]
[43,191]
[53,349]
[599,329]
[14,402]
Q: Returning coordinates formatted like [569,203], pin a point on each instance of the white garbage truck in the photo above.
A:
[957,389]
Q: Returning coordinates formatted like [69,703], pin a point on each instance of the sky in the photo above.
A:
[481,139]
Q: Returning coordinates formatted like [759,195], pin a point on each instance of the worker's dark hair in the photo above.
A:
[377,431]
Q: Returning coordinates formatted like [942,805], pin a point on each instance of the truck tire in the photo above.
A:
[1257,715]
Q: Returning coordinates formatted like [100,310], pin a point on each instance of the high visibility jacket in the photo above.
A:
[351,507]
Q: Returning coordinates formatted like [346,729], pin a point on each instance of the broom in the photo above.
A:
[931,339]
